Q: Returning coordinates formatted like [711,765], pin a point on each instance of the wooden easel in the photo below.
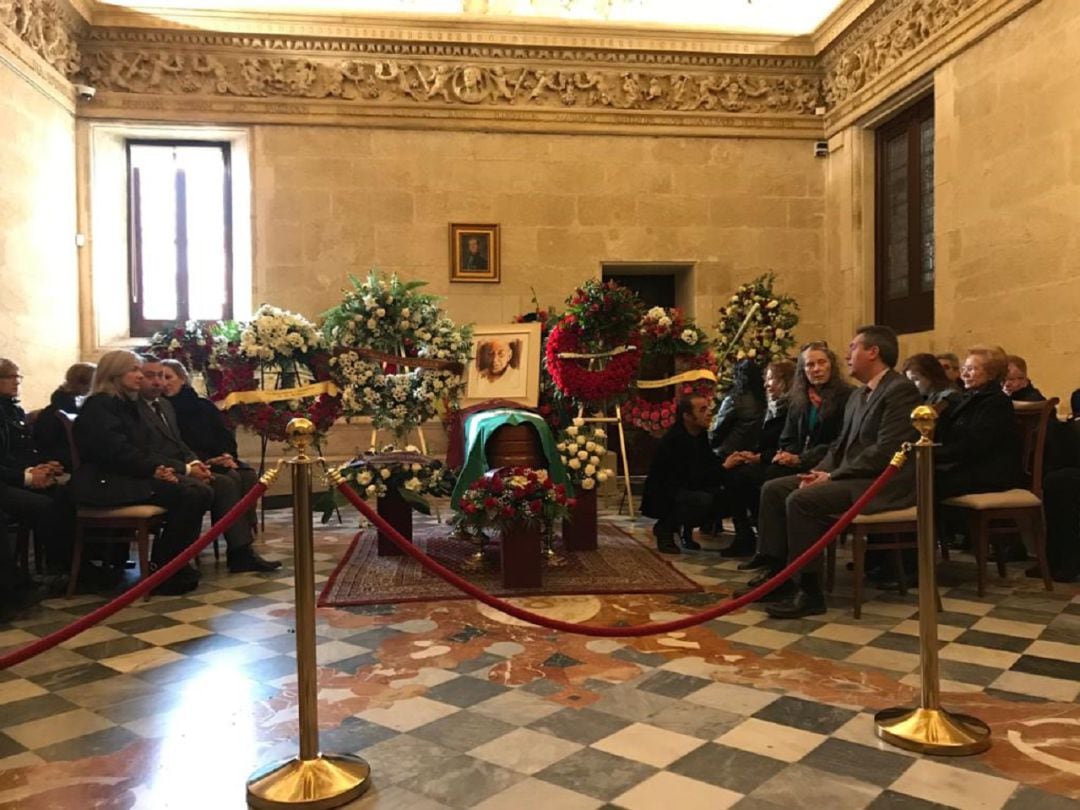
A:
[603,418]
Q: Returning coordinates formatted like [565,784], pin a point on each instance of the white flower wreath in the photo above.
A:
[274,334]
[395,354]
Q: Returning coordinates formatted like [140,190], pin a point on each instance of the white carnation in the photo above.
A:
[689,337]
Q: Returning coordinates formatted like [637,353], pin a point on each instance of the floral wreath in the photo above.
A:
[396,355]
[581,450]
[551,405]
[599,324]
[407,473]
[192,343]
[512,495]
[668,333]
[757,323]
[276,350]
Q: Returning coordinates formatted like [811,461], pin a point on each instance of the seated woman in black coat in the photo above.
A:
[929,377]
[980,443]
[747,470]
[119,467]
[32,486]
[50,434]
[203,429]
[814,419]
[737,424]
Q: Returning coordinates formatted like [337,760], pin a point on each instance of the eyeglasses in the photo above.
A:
[814,344]
[11,376]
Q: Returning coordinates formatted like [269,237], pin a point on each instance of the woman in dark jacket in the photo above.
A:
[929,377]
[815,410]
[747,470]
[980,444]
[118,465]
[737,424]
[203,429]
[50,435]
[814,419]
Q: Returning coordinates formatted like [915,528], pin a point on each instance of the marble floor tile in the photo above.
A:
[536,793]
[57,728]
[517,707]
[956,787]
[1008,628]
[770,739]
[174,634]
[629,703]
[732,698]
[465,691]
[1055,650]
[954,605]
[525,751]
[463,781]
[645,743]
[726,767]
[805,714]
[884,659]
[695,720]
[659,792]
[849,634]
[910,627]
[597,774]
[463,730]
[408,714]
[858,762]
[764,637]
[393,797]
[402,757]
[19,689]
[1038,685]
[583,726]
[978,655]
[803,787]
[142,660]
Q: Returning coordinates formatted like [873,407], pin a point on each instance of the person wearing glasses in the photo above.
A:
[1017,385]
[796,510]
[32,491]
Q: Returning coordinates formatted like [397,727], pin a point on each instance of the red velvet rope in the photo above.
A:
[622,632]
[133,593]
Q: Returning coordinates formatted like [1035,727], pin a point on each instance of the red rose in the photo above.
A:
[535,506]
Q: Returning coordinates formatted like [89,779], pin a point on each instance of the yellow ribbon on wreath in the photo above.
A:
[277,395]
[693,375]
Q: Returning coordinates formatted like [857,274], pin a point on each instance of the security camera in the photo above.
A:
[85,92]
[821,149]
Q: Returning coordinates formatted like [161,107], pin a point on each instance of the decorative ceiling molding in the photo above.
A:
[493,76]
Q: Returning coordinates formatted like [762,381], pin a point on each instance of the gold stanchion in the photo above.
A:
[312,780]
[929,729]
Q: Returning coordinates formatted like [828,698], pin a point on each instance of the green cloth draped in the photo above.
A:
[479,427]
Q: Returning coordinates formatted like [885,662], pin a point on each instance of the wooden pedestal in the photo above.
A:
[395,511]
[579,529]
[521,555]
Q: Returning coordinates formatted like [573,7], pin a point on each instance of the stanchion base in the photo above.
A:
[330,780]
[932,731]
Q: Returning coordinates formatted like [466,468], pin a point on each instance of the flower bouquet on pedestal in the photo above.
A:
[400,481]
[582,451]
[756,323]
[522,504]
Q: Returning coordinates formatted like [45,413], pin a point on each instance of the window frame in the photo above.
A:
[915,311]
[139,326]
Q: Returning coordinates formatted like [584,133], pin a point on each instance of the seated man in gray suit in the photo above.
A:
[158,412]
[796,510]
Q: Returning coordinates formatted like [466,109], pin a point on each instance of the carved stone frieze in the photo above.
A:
[891,32]
[48,28]
[260,73]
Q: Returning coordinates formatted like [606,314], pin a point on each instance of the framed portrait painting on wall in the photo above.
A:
[474,253]
[505,364]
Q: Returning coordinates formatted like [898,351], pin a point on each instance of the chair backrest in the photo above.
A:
[68,421]
[1032,419]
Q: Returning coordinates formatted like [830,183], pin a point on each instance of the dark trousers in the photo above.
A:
[1061,501]
[186,502]
[742,490]
[229,486]
[792,519]
[50,514]
[691,508]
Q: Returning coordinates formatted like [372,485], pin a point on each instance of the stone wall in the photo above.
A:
[38,280]
[1008,196]
[333,201]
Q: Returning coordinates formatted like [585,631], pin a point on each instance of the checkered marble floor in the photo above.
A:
[173,702]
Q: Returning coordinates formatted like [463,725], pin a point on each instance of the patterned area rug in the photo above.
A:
[621,564]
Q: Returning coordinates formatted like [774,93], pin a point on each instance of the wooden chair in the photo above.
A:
[22,533]
[1015,509]
[124,524]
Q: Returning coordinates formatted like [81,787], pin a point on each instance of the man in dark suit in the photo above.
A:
[157,412]
[684,478]
[796,510]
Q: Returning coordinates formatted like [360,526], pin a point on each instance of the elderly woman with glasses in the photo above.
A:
[119,465]
[32,490]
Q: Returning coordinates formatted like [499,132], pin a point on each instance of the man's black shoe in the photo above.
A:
[247,559]
[779,594]
[754,563]
[665,540]
[800,605]
[768,573]
[183,581]
[690,544]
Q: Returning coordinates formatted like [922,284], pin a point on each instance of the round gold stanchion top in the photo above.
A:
[924,418]
[300,433]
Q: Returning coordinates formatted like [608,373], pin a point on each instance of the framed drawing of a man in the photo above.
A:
[505,364]
[474,253]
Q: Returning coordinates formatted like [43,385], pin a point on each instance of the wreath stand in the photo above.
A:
[596,360]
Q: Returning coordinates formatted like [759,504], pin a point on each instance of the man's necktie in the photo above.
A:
[161,414]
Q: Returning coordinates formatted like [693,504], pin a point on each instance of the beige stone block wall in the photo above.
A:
[38,279]
[334,201]
[1008,196]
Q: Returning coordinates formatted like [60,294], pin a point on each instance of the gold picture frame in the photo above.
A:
[504,363]
[474,253]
